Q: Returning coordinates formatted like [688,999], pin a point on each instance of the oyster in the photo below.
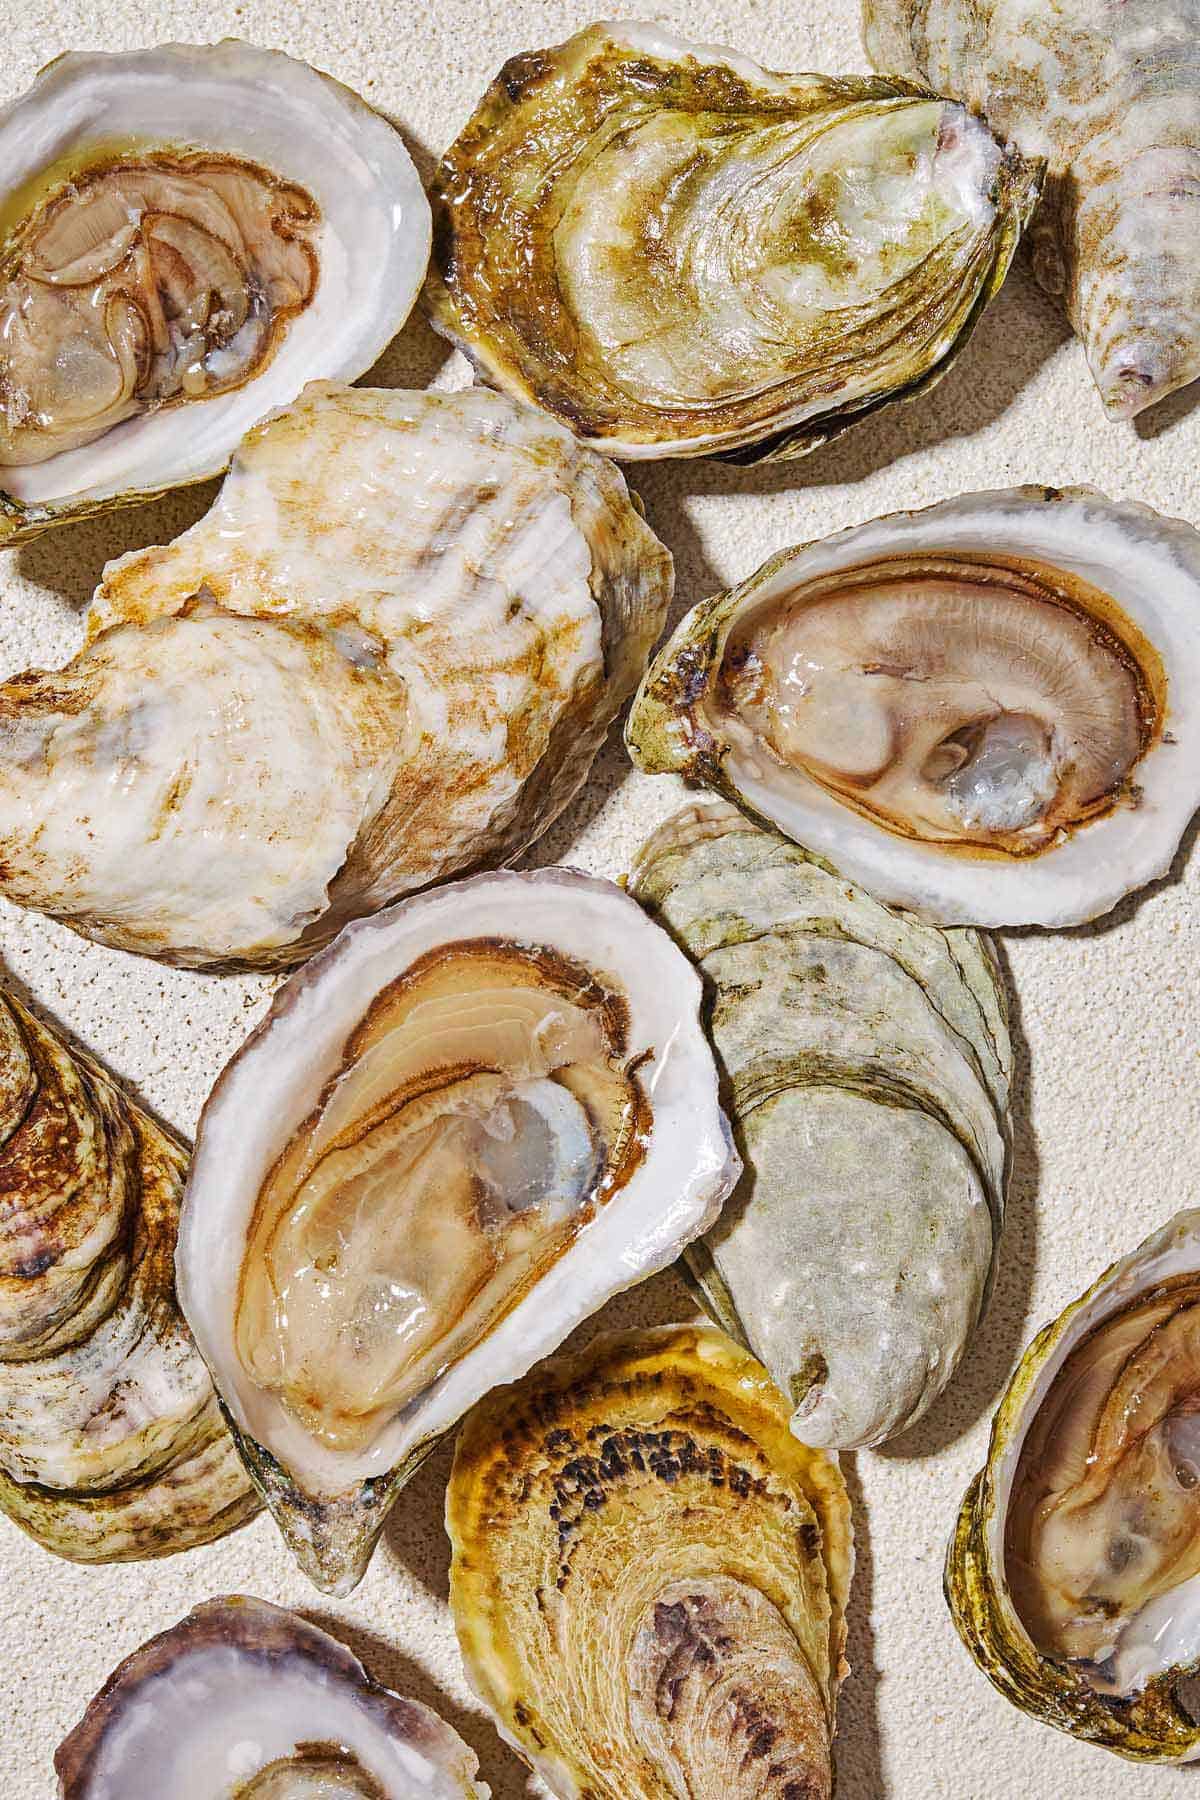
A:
[177,258]
[867,1062]
[467,1124]
[245,1701]
[1109,94]
[388,653]
[1074,1572]
[985,711]
[112,1446]
[679,253]
[650,1575]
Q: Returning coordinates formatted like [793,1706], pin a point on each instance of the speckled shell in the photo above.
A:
[1157,1725]
[1108,91]
[866,1063]
[387,655]
[239,1686]
[643,1464]
[112,1446]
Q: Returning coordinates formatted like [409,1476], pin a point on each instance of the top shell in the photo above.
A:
[678,253]
[188,235]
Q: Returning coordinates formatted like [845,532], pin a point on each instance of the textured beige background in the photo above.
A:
[1107,1104]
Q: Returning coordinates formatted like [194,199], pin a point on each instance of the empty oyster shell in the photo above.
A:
[650,1575]
[246,1700]
[177,258]
[112,1446]
[1109,95]
[985,711]
[461,1129]
[1074,1572]
[388,653]
[867,1063]
[678,253]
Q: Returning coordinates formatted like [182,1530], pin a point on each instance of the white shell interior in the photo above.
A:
[373,243]
[273,1083]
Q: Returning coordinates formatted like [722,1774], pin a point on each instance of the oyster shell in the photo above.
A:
[177,258]
[984,711]
[678,253]
[461,1129]
[866,1065]
[1109,94]
[112,1446]
[650,1575]
[1074,1572]
[250,1701]
[388,653]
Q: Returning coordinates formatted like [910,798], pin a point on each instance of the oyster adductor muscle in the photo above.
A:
[387,655]
[985,711]
[1074,1573]
[179,254]
[649,1574]
[247,1701]
[112,1444]
[460,1130]
[866,1064]
[679,253]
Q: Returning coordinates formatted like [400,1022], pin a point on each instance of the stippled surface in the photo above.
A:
[1109,1095]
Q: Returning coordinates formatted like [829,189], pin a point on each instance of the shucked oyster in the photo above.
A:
[112,1446]
[1074,1573]
[467,1124]
[985,711]
[244,1701]
[677,252]
[188,234]
[650,1575]
[388,653]
[866,1062]
[1108,91]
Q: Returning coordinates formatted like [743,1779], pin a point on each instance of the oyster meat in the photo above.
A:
[246,1701]
[461,1129]
[388,654]
[866,1064]
[177,259]
[1108,92]
[985,711]
[112,1446]
[679,253]
[1074,1573]
[649,1574]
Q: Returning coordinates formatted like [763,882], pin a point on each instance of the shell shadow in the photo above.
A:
[857,1753]
[1163,418]
[69,559]
[1002,1332]
[386,1663]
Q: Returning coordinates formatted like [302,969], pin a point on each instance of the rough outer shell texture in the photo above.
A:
[1109,1446]
[649,1574]
[679,253]
[985,711]
[1109,93]
[459,1131]
[112,1446]
[387,654]
[247,1700]
[866,1064]
[188,234]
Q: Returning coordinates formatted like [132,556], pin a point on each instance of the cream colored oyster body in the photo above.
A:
[388,654]
[1108,93]
[679,253]
[251,1702]
[866,1064]
[984,711]
[179,255]
[463,1127]
[1073,1575]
